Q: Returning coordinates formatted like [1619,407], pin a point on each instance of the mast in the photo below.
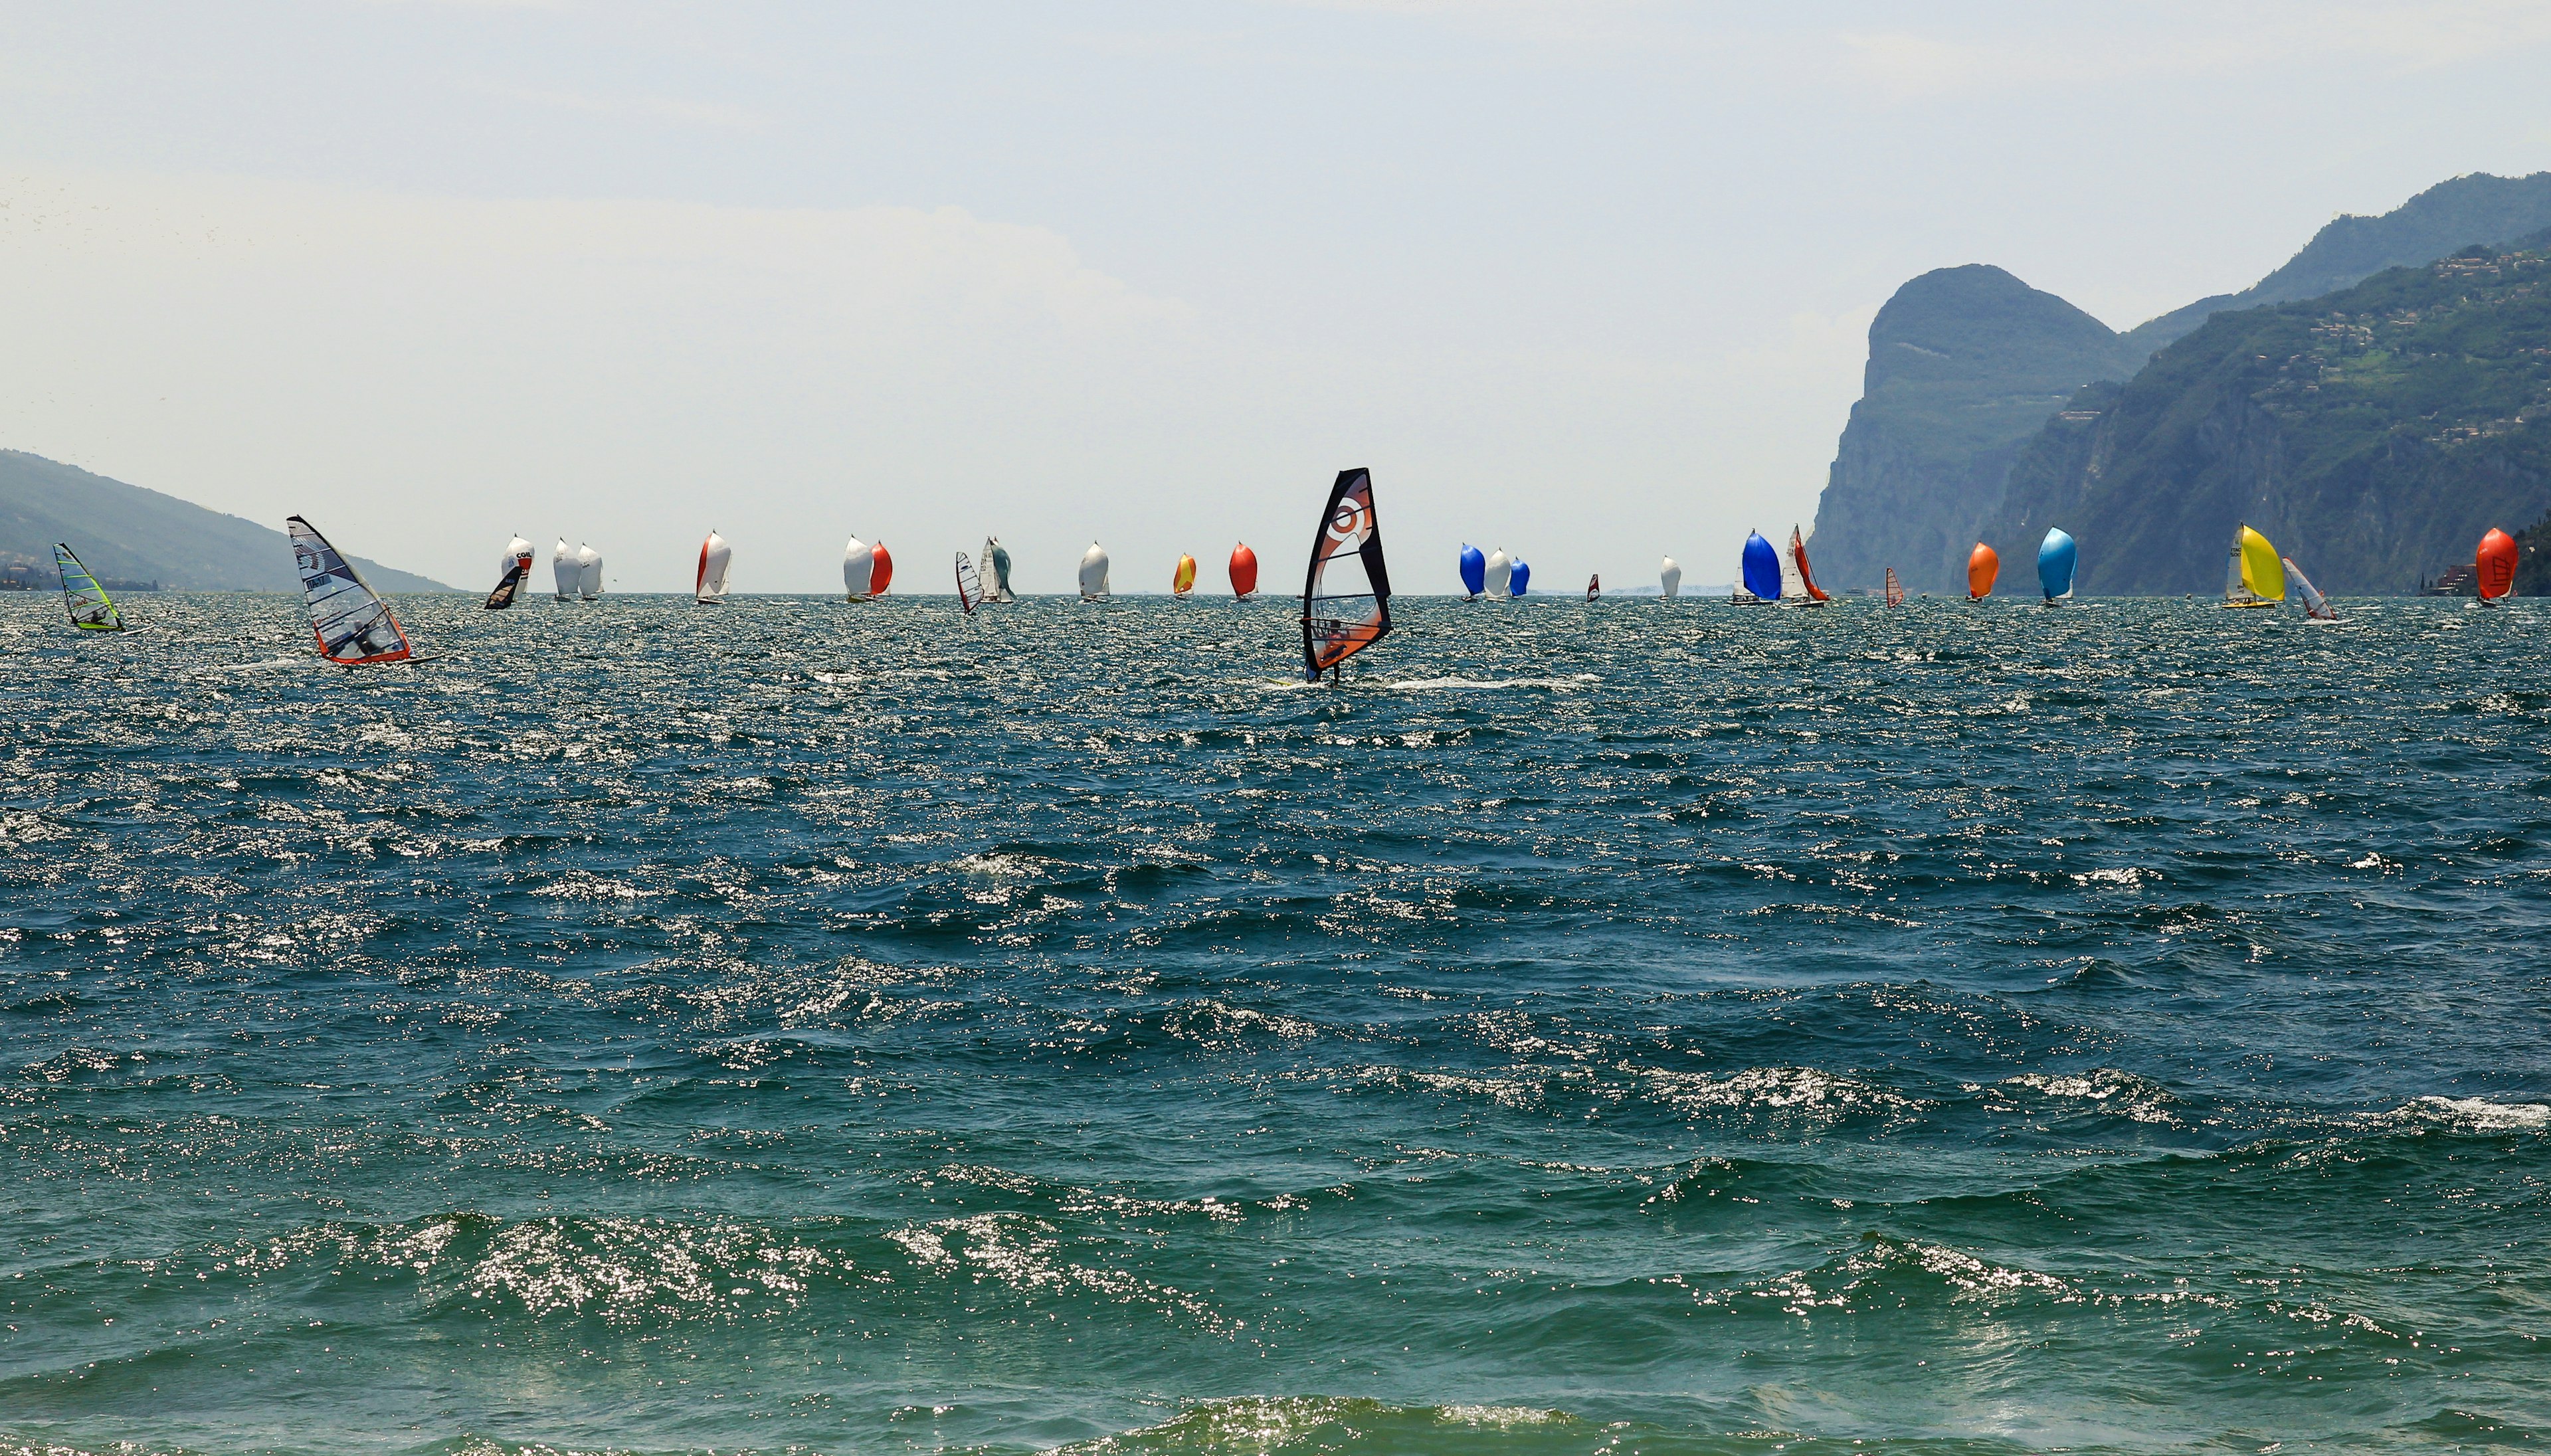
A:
[1346,594]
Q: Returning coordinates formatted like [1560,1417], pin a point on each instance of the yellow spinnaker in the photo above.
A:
[2260,571]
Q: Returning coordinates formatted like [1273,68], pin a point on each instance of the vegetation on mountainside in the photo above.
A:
[2375,432]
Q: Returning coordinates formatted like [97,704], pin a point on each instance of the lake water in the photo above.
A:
[1647,1027]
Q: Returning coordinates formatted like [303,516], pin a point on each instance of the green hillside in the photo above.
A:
[1964,365]
[2447,217]
[1967,365]
[127,533]
[2373,434]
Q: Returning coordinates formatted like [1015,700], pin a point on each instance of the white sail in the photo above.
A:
[589,573]
[714,556]
[996,571]
[518,552]
[563,570]
[859,568]
[1793,587]
[1093,573]
[1670,577]
[350,619]
[2315,605]
[1500,571]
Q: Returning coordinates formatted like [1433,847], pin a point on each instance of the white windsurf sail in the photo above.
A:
[82,596]
[589,573]
[970,587]
[2315,605]
[714,556]
[351,622]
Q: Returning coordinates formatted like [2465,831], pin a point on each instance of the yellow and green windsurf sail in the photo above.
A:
[90,608]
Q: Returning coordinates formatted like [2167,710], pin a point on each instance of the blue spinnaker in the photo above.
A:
[1761,568]
[1522,575]
[2054,559]
[1474,570]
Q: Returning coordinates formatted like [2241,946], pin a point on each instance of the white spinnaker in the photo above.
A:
[1093,573]
[517,552]
[350,619]
[1500,571]
[1670,577]
[859,568]
[714,556]
[589,573]
[563,570]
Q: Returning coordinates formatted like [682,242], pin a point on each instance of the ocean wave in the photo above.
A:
[1279,1425]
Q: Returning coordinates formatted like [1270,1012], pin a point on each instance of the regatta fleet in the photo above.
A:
[1346,591]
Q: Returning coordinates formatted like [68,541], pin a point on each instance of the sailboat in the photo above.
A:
[1895,588]
[714,555]
[1805,582]
[589,573]
[351,622]
[1758,572]
[970,587]
[2493,565]
[1093,574]
[1346,595]
[2252,574]
[1244,571]
[996,560]
[2315,606]
[1474,572]
[1983,564]
[1182,580]
[82,596]
[2056,557]
[1518,576]
[1670,579]
[562,571]
[1594,587]
[1498,575]
[858,570]
[510,575]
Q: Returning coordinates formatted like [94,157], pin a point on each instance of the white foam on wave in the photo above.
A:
[2477,1114]
[1422,684]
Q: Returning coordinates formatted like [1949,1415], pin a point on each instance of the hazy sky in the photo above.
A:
[1587,281]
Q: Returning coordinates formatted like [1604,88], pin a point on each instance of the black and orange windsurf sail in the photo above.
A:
[1346,597]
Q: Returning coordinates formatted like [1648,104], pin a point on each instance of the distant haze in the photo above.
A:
[1589,282]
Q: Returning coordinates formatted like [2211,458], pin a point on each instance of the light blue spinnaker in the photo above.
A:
[2055,557]
[1474,570]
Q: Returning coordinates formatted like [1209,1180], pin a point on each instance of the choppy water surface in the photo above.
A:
[1650,1027]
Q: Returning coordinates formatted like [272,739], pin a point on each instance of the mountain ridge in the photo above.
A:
[132,533]
[1918,474]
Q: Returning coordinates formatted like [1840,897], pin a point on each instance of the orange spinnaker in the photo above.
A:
[2495,566]
[1982,565]
[883,571]
[1182,580]
[1244,571]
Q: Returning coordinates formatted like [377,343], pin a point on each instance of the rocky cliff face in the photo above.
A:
[1965,364]
[2372,434]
